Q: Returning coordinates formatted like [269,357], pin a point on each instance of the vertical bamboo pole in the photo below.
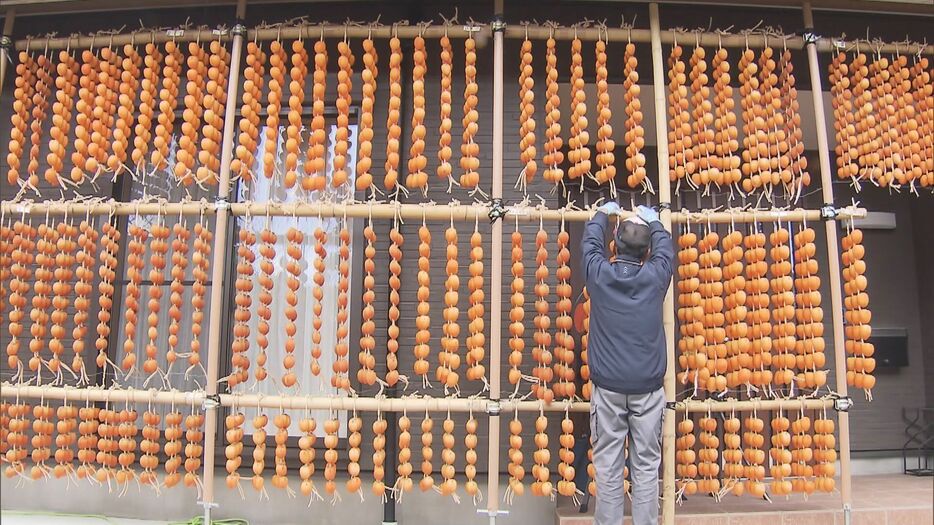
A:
[391,464]
[496,265]
[6,49]
[833,260]
[218,264]
[664,201]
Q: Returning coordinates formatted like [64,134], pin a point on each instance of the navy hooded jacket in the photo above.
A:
[626,344]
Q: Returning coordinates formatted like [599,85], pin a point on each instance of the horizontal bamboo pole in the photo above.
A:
[435,212]
[106,208]
[364,404]
[704,38]
[730,405]
[610,34]
[616,34]
[136,37]
[456,212]
[827,44]
[315,31]
[507,406]
[621,34]
[762,216]
[372,404]
[96,394]
[264,34]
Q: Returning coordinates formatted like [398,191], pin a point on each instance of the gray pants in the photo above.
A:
[613,417]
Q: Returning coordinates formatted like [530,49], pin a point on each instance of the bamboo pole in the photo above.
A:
[97,394]
[218,264]
[361,404]
[538,32]
[668,309]
[373,404]
[705,38]
[644,36]
[726,405]
[496,263]
[381,404]
[833,260]
[468,213]
[459,213]
[730,405]
[264,34]
[387,31]
[134,37]
[107,208]
[611,34]
[5,39]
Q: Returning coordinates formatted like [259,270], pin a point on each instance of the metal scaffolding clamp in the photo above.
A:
[809,36]
[498,24]
[828,212]
[6,42]
[239,29]
[497,211]
[209,504]
[493,408]
[211,402]
[492,513]
[221,204]
[842,404]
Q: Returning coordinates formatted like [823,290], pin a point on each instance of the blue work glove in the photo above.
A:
[647,214]
[610,208]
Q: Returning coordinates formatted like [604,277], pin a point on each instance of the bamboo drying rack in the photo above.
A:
[536,32]
[223,210]
[379,404]
[442,212]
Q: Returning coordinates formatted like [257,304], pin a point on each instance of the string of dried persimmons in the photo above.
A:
[882,118]
[107,78]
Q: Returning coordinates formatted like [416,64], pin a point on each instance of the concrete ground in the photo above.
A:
[39,518]
[877,500]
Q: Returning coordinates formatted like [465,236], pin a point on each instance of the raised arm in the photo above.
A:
[593,245]
[661,258]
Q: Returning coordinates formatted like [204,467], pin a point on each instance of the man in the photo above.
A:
[627,357]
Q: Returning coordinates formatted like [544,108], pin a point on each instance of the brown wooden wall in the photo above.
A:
[893,263]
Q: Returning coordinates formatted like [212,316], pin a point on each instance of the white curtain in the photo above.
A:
[262,189]
[161,184]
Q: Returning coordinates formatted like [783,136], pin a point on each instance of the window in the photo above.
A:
[261,189]
[160,184]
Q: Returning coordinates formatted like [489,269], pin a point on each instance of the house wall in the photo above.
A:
[899,274]
[922,217]
[897,301]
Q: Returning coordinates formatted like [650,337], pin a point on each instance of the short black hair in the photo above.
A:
[632,239]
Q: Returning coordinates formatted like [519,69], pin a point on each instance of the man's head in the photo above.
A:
[632,239]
